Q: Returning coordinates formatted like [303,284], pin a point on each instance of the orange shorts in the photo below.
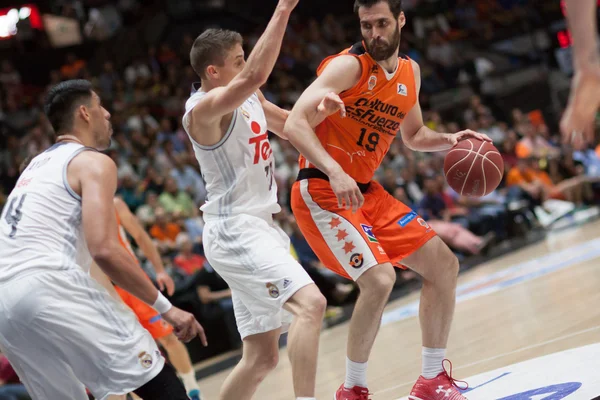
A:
[150,319]
[382,230]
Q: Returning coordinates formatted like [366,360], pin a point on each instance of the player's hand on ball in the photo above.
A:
[185,325]
[331,104]
[346,190]
[454,138]
[164,280]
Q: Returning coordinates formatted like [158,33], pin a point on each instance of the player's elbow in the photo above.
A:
[292,129]
[409,142]
[256,77]
[410,139]
[102,253]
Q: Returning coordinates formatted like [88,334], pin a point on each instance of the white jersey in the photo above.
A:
[239,169]
[40,226]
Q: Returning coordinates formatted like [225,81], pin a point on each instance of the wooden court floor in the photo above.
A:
[536,301]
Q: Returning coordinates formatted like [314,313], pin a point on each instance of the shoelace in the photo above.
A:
[452,380]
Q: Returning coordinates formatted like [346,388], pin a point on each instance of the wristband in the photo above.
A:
[162,305]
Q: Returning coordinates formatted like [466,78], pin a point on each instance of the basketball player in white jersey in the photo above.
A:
[227,120]
[58,327]
[577,123]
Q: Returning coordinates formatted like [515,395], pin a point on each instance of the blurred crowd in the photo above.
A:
[160,181]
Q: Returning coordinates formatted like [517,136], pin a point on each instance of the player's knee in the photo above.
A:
[314,305]
[378,281]
[453,268]
[169,341]
[448,274]
[309,303]
[265,362]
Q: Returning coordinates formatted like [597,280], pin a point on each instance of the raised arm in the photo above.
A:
[577,122]
[581,18]
[223,100]
[341,74]
[417,136]
[143,240]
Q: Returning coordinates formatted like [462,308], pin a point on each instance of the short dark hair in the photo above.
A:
[395,5]
[211,47]
[62,100]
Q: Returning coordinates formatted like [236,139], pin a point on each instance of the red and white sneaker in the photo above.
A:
[356,393]
[442,387]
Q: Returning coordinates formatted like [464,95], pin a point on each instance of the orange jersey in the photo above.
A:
[375,108]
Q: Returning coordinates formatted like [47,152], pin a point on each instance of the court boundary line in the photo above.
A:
[519,350]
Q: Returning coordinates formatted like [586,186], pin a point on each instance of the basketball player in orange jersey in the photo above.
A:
[577,123]
[355,227]
[147,316]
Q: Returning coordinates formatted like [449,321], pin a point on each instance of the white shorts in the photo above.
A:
[253,257]
[61,330]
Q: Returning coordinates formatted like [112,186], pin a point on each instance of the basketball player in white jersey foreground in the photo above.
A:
[59,328]
[150,319]
[577,123]
[227,120]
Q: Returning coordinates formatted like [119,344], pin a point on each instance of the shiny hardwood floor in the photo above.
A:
[536,301]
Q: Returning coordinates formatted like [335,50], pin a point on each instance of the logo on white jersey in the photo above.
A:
[145,359]
[402,89]
[273,290]
[262,148]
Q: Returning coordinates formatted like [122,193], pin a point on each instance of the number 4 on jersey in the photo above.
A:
[13,217]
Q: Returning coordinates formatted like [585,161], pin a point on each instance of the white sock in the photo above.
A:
[306,398]
[356,374]
[189,381]
[432,362]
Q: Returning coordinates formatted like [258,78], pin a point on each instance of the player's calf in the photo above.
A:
[308,306]
[375,287]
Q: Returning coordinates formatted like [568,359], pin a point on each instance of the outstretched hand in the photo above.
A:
[331,104]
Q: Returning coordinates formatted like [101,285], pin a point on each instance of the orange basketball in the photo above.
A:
[473,168]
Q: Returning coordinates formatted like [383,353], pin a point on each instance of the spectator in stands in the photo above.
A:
[460,238]
[187,178]
[186,260]
[508,150]
[175,200]
[532,144]
[73,67]
[153,181]
[164,231]
[145,212]
[538,186]
[130,192]
[489,126]
[590,161]
[216,297]
[443,54]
